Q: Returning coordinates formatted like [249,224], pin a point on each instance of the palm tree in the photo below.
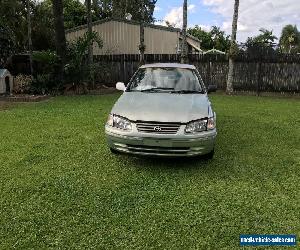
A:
[60,36]
[229,88]
[290,37]
[29,36]
[184,26]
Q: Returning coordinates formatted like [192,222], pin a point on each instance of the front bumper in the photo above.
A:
[179,144]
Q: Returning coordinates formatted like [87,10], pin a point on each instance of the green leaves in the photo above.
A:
[77,69]
[215,38]
[290,39]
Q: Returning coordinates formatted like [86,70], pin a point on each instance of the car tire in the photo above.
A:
[114,151]
[210,155]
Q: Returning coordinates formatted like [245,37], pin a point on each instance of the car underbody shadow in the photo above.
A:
[168,162]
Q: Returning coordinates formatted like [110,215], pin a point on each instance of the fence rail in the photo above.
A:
[275,73]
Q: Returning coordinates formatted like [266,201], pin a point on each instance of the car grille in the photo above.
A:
[158,127]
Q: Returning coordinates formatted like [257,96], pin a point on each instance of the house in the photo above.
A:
[6,82]
[122,36]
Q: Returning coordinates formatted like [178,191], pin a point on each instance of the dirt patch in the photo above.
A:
[24,98]
[81,90]
[6,105]
[261,94]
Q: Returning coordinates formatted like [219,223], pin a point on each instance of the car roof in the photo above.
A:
[168,65]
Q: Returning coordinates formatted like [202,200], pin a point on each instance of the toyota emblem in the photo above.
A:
[157,128]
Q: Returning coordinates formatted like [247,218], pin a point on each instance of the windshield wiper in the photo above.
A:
[187,92]
[156,89]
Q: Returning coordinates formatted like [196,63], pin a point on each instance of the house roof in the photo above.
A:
[193,37]
[154,26]
[214,51]
[3,72]
[168,65]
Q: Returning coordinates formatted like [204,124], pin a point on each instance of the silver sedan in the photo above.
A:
[164,111]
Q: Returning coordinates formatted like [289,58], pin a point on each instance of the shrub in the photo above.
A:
[22,84]
[42,84]
[77,70]
[45,61]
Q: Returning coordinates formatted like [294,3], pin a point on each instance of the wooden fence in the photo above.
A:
[275,73]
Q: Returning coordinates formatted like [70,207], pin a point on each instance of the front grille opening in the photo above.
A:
[157,127]
[157,150]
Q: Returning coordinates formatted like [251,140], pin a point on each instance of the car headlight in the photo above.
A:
[211,123]
[200,125]
[119,122]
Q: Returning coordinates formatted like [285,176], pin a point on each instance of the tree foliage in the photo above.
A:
[140,10]
[290,39]
[262,43]
[215,38]
[7,43]
[13,17]
[266,37]
[77,69]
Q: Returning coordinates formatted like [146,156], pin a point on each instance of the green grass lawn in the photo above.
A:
[60,187]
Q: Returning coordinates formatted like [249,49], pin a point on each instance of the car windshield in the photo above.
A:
[173,80]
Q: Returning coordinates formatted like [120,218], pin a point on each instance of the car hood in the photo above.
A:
[162,107]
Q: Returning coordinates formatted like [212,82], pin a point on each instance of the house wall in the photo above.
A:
[161,41]
[124,38]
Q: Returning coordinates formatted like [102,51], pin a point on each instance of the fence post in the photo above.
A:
[208,70]
[258,78]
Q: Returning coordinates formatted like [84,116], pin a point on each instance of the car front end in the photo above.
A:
[164,111]
[161,138]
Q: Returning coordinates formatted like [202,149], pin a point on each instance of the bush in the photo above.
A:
[22,84]
[45,62]
[42,84]
[77,70]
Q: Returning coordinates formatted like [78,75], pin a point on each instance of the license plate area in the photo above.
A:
[157,142]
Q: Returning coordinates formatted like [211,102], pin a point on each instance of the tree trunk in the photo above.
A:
[60,37]
[142,43]
[184,52]
[229,88]
[126,7]
[90,52]
[29,36]
[142,36]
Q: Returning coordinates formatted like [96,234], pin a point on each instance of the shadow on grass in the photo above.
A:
[176,163]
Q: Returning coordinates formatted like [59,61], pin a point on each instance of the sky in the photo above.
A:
[253,15]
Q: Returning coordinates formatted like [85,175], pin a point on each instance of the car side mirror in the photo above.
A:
[120,86]
[211,88]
